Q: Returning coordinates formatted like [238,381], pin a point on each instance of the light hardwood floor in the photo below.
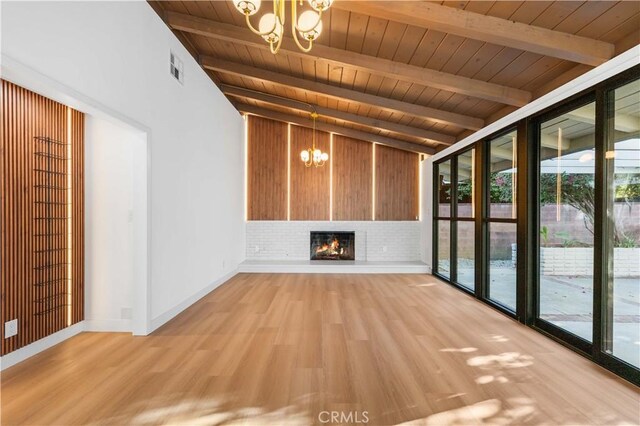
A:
[281,349]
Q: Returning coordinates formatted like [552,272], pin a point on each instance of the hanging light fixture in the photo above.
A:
[313,156]
[271,25]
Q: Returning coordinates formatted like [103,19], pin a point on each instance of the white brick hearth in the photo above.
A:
[375,241]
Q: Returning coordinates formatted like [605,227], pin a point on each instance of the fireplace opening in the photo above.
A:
[333,245]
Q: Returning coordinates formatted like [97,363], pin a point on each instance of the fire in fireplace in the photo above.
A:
[333,245]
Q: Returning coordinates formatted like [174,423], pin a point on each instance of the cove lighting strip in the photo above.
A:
[246,167]
[420,165]
[69,219]
[330,177]
[373,183]
[288,171]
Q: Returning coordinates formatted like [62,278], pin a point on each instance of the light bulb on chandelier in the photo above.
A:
[271,25]
[314,156]
[310,25]
[320,5]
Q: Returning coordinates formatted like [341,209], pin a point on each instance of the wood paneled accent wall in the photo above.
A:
[41,217]
[352,179]
[267,169]
[397,185]
[77,214]
[280,187]
[309,185]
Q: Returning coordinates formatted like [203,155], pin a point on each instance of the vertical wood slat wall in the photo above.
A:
[36,243]
[397,188]
[352,183]
[351,161]
[77,216]
[309,185]
[267,149]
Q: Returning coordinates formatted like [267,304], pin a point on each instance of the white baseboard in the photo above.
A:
[38,346]
[161,319]
[332,267]
[108,325]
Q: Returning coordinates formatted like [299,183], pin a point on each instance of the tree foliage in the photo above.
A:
[576,190]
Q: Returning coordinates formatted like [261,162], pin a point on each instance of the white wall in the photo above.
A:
[375,241]
[109,224]
[114,56]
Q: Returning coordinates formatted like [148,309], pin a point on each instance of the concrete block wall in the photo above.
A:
[578,261]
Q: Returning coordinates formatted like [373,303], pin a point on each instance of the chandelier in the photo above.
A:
[271,25]
[313,156]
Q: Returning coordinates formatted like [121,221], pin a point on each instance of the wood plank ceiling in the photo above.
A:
[417,75]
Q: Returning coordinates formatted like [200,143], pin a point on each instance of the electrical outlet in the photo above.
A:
[224,263]
[384,249]
[257,249]
[126,313]
[10,328]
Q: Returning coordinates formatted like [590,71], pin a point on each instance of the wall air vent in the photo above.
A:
[176,68]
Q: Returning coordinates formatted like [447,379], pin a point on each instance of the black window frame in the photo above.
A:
[487,220]
[527,222]
[453,219]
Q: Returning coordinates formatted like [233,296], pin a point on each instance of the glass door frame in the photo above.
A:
[539,323]
[603,96]
[485,220]
[453,220]
[437,219]
[528,235]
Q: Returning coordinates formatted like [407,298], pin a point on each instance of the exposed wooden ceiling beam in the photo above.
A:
[490,29]
[326,127]
[371,64]
[340,93]
[560,80]
[427,135]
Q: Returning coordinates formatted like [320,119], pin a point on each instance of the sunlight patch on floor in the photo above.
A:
[491,411]
[503,360]
[210,412]
[465,350]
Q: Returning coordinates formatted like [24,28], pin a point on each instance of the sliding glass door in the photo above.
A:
[454,220]
[621,295]
[464,220]
[442,219]
[501,220]
[541,220]
[566,213]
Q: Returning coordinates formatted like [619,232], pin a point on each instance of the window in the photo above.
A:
[464,217]
[622,157]
[550,231]
[454,226]
[566,212]
[501,183]
[442,223]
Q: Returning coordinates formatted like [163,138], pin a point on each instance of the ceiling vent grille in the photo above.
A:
[176,68]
